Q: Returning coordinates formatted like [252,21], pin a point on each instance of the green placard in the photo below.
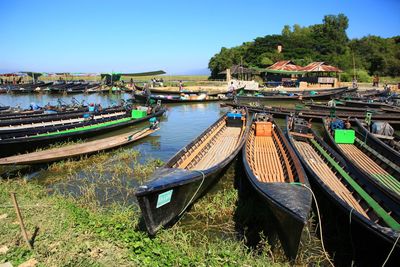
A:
[164,198]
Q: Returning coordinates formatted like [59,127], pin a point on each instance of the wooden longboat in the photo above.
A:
[274,171]
[364,95]
[382,171]
[363,104]
[161,91]
[267,97]
[192,171]
[46,117]
[341,108]
[173,99]
[388,146]
[23,144]
[53,125]
[295,95]
[372,218]
[76,150]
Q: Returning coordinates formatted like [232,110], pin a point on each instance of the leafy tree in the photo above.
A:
[327,42]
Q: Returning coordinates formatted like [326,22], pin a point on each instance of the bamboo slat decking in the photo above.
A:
[222,147]
[327,176]
[263,158]
[366,163]
[212,148]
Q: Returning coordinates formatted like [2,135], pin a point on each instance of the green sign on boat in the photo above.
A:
[164,198]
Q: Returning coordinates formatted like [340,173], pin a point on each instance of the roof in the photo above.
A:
[285,65]
[237,69]
[320,67]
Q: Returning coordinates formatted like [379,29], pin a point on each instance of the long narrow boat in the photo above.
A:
[364,104]
[372,218]
[295,95]
[176,99]
[10,146]
[53,125]
[341,108]
[192,171]
[382,171]
[388,146]
[46,117]
[71,151]
[274,171]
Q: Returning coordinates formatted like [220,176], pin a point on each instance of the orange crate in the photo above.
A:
[263,128]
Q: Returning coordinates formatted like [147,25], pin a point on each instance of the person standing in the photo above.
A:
[180,86]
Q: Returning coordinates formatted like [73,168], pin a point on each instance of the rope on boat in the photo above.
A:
[390,253]
[351,236]
[195,193]
[319,220]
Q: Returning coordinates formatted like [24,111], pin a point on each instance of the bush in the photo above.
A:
[362,76]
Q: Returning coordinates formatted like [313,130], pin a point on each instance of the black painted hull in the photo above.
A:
[377,144]
[368,176]
[289,204]
[53,117]
[172,191]
[361,240]
[29,144]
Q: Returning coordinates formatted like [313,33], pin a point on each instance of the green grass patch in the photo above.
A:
[91,219]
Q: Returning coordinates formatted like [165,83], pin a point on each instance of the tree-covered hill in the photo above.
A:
[326,42]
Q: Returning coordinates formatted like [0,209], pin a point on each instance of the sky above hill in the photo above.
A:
[176,36]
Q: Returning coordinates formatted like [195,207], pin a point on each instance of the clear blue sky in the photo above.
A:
[176,36]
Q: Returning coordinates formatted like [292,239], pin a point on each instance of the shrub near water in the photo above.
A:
[89,227]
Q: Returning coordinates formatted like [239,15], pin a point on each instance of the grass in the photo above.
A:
[91,219]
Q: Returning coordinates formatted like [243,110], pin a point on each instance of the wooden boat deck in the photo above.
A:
[60,122]
[264,159]
[370,166]
[327,176]
[76,149]
[214,147]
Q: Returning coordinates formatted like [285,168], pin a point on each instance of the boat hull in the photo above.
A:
[28,144]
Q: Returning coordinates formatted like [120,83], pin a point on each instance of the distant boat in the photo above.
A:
[186,98]
[191,172]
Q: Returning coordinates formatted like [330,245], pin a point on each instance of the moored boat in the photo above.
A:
[381,170]
[184,98]
[75,150]
[192,171]
[10,145]
[384,140]
[275,172]
[371,218]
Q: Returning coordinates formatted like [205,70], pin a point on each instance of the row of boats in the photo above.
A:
[354,170]
[26,131]
[59,87]
[357,174]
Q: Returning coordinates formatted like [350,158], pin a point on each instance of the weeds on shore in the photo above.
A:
[91,219]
